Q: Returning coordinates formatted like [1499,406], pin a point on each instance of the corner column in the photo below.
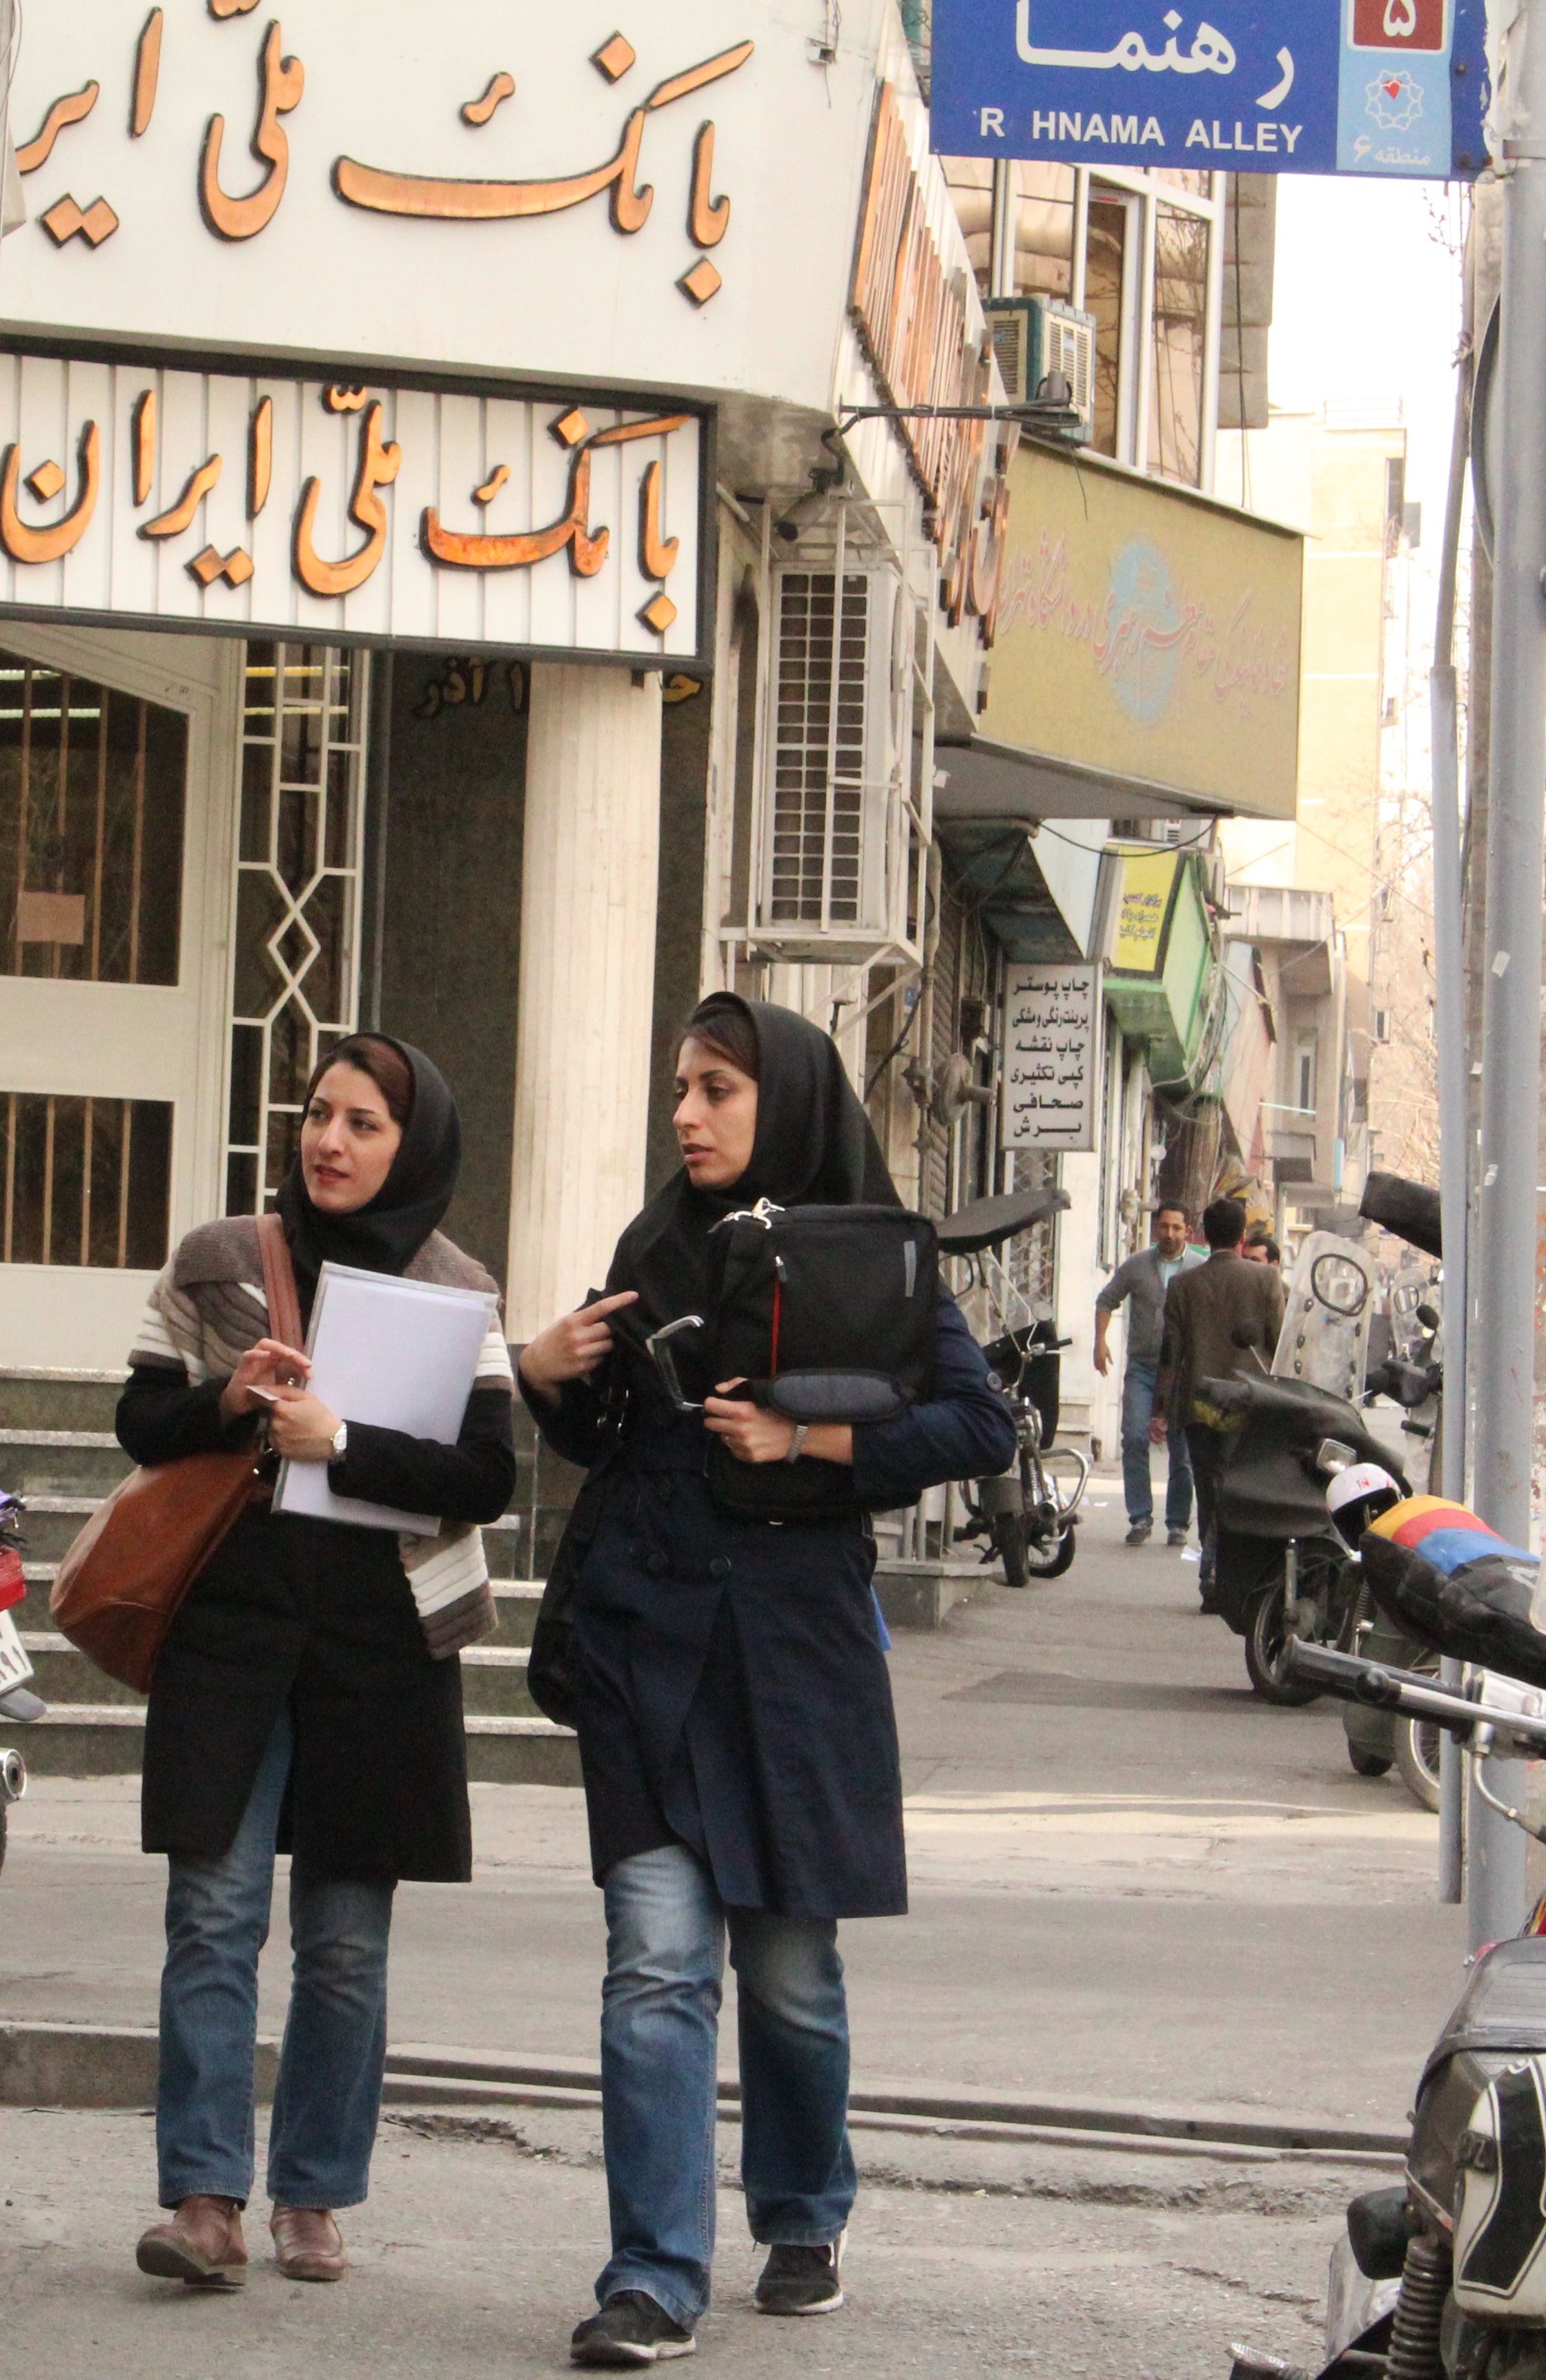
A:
[590,862]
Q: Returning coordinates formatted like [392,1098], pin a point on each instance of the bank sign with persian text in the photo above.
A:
[1384,86]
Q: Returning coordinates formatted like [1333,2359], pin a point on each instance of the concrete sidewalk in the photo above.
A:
[1129,1877]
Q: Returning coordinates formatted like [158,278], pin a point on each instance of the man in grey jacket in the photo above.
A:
[1142,1281]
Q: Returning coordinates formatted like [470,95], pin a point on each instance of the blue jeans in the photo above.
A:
[665,1930]
[1138,1412]
[329,2091]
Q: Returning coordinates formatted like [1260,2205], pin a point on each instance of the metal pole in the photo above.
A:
[1449,1006]
[1504,1321]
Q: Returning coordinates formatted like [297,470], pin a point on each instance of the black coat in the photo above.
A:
[319,1616]
[732,1690]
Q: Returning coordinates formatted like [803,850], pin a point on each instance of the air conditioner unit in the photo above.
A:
[1034,336]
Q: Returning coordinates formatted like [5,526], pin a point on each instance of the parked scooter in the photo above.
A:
[1029,1513]
[1443,2276]
[1282,1573]
[1411,1376]
[17,1698]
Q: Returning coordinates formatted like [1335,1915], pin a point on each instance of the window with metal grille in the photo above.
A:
[91,792]
[295,962]
[84,1181]
[815,874]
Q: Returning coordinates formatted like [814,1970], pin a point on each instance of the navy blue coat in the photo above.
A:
[731,1691]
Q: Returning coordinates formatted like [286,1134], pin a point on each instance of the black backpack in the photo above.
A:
[828,1313]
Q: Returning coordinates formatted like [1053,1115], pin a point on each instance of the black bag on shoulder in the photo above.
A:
[828,1313]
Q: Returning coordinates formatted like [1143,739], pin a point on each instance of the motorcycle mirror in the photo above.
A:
[1427,1316]
[1246,1334]
[1331,1456]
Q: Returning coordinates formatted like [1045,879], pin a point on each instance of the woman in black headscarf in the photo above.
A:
[731,1699]
[305,1697]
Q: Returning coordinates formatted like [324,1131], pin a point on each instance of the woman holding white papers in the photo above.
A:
[732,1698]
[306,1697]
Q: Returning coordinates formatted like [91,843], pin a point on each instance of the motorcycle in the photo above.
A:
[1443,2276]
[1411,1376]
[17,1699]
[1028,1514]
[1281,1575]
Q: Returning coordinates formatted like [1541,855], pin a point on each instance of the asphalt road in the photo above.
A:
[1131,1882]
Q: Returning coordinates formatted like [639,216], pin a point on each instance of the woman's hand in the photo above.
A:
[758,1434]
[301,1428]
[253,1383]
[571,1348]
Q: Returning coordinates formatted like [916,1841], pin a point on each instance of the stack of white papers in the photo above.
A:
[400,1355]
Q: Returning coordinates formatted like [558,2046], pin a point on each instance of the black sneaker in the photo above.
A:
[1175,1537]
[802,2280]
[631,2328]
[1140,1533]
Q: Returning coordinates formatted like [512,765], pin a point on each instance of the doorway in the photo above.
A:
[118,757]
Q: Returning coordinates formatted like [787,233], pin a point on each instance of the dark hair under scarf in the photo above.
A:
[814,1147]
[386,1234]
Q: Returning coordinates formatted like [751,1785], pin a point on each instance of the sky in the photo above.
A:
[1365,306]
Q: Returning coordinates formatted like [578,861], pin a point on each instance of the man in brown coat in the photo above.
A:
[1203,1308]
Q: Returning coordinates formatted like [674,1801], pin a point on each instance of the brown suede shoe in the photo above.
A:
[308,2244]
[203,2245]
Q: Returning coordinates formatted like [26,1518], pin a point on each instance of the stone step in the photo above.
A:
[51,1527]
[59,1400]
[494,1683]
[65,1677]
[107,1740]
[516,1599]
[61,1462]
[493,1678]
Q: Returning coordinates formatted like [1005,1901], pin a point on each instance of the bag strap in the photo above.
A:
[279,1281]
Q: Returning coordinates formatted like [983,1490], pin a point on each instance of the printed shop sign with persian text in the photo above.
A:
[1051,1056]
[1394,87]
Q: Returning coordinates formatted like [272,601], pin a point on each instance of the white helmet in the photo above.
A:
[1358,1495]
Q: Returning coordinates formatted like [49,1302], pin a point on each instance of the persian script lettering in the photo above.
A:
[450,199]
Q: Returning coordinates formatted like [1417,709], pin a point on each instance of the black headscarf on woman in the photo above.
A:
[814,1147]
[386,1234]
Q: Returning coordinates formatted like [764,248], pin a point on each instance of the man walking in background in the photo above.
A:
[1142,1280]
[1202,1310]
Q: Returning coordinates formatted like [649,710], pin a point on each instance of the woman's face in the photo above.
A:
[716,1117]
[348,1141]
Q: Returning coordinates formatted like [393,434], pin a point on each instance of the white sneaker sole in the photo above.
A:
[827,2305]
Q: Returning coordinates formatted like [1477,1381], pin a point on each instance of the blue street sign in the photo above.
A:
[1260,86]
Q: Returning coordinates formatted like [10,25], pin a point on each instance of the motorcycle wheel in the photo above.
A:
[1367,1763]
[1266,1646]
[1051,1561]
[1417,1760]
[1008,1538]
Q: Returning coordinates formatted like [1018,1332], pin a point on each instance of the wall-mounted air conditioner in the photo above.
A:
[1034,337]
[831,882]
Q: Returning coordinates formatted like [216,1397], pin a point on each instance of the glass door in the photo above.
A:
[118,785]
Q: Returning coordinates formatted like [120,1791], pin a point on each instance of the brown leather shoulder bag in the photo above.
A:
[123,1580]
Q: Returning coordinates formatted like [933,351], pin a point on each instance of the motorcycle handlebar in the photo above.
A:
[1354,1679]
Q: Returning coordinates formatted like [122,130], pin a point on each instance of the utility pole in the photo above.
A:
[1504,1366]
[1453,1135]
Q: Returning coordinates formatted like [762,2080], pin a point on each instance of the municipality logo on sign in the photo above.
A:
[1283,84]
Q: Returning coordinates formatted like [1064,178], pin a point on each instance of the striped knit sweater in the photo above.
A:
[208,1308]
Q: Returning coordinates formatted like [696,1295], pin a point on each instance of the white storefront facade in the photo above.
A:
[427,598]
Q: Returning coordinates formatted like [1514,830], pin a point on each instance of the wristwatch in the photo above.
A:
[340,1442]
[802,1432]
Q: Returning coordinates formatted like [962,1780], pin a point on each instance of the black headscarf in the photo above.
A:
[814,1147]
[386,1234]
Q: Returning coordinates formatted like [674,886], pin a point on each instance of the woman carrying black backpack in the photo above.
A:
[730,1693]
